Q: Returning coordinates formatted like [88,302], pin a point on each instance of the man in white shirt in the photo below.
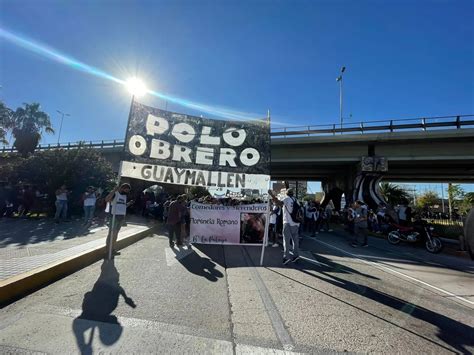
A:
[290,227]
[118,207]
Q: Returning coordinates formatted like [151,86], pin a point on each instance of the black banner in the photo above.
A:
[182,149]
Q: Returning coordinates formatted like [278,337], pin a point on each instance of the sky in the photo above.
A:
[403,59]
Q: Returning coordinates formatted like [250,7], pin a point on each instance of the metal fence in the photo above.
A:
[379,126]
[447,228]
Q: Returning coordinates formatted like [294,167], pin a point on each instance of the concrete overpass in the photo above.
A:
[441,155]
[436,149]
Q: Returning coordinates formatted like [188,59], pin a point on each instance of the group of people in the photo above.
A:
[91,199]
[20,200]
[316,219]
[311,218]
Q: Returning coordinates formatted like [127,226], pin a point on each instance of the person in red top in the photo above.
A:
[176,213]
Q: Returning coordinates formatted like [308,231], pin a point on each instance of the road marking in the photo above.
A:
[183,334]
[275,317]
[308,256]
[382,267]
[173,256]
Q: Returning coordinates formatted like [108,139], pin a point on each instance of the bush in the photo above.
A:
[48,170]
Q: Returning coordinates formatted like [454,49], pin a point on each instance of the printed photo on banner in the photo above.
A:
[252,228]
[167,147]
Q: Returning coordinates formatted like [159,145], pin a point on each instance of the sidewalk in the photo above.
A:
[32,246]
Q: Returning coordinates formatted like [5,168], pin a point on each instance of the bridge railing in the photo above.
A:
[112,143]
[379,126]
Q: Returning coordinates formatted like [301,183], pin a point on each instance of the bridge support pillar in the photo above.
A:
[355,185]
[337,186]
[367,189]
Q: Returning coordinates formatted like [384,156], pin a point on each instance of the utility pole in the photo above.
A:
[339,79]
[450,202]
[61,125]
[442,197]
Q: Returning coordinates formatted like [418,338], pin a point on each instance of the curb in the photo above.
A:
[18,286]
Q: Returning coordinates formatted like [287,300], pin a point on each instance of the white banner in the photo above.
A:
[193,177]
[218,224]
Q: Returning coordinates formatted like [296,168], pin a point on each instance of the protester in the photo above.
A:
[360,224]
[175,220]
[276,211]
[61,203]
[325,217]
[373,223]
[28,200]
[290,207]
[117,199]
[313,216]
[166,208]
[102,208]
[351,215]
[401,213]
[89,199]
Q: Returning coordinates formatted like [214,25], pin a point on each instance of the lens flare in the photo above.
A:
[57,56]
[136,87]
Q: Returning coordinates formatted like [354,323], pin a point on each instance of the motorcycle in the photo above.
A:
[416,234]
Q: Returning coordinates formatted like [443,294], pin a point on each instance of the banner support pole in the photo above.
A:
[267,221]
[112,223]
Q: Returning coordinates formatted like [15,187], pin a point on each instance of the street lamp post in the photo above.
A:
[61,125]
[339,79]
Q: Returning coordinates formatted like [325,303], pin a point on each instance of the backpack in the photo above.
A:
[296,214]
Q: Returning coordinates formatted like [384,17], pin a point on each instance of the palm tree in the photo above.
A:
[28,124]
[5,122]
[393,193]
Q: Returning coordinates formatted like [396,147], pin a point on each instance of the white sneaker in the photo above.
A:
[329,230]
[275,245]
[321,230]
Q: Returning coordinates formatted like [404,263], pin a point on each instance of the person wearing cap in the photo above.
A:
[89,199]
[118,208]
[290,227]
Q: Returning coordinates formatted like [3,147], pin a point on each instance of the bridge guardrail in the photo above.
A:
[456,122]
[423,123]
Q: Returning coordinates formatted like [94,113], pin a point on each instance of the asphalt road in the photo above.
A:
[215,299]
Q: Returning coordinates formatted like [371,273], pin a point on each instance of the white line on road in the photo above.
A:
[272,311]
[308,256]
[386,268]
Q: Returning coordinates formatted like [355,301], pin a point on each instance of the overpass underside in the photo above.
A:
[404,171]
[434,156]
[446,155]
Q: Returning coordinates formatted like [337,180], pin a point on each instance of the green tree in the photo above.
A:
[28,124]
[459,200]
[429,199]
[5,122]
[469,197]
[393,193]
[47,170]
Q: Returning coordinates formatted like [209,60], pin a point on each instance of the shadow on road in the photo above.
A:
[450,331]
[196,264]
[97,308]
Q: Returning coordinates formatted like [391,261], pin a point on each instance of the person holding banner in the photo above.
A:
[117,199]
[291,225]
